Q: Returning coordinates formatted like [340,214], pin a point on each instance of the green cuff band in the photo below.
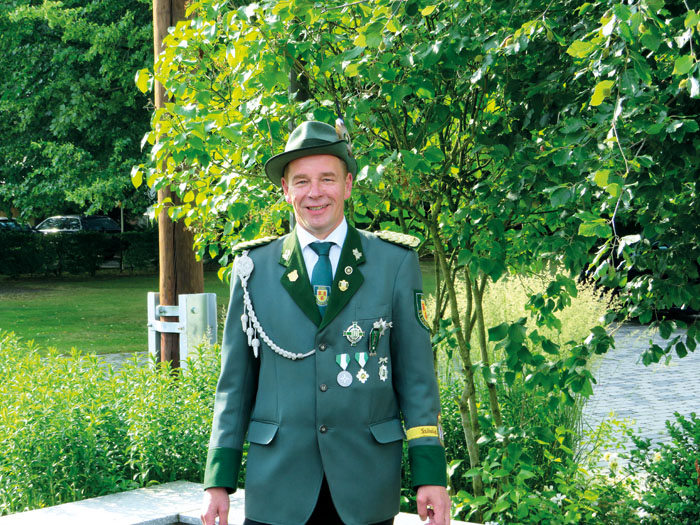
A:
[428,465]
[223,465]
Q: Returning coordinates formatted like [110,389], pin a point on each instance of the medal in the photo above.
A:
[354,333]
[362,375]
[378,330]
[383,369]
[344,377]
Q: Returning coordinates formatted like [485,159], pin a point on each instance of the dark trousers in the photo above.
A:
[324,513]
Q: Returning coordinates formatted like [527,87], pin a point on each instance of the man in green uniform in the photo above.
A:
[326,358]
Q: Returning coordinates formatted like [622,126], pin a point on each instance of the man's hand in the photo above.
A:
[215,504]
[434,504]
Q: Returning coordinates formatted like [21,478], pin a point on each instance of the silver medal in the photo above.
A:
[344,378]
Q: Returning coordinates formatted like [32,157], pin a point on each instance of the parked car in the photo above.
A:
[76,223]
[10,225]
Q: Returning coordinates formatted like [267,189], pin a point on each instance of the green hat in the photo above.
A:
[310,138]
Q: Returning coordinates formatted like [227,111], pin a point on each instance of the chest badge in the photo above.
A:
[354,333]
[343,285]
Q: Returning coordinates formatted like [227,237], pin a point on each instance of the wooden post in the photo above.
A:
[180,273]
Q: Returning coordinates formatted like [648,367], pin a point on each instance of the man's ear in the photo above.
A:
[285,189]
[348,185]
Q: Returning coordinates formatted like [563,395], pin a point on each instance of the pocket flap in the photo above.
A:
[387,431]
[261,432]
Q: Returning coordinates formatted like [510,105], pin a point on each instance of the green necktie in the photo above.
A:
[322,275]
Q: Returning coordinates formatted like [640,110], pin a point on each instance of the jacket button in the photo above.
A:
[322,347]
[323,387]
[322,429]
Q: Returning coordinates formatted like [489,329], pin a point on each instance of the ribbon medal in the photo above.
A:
[362,375]
[344,377]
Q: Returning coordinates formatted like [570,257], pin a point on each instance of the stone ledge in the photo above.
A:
[176,503]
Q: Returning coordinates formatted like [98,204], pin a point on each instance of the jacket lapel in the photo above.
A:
[296,280]
[348,278]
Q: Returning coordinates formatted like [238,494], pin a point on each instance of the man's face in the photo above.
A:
[317,187]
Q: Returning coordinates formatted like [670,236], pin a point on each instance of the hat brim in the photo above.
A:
[274,167]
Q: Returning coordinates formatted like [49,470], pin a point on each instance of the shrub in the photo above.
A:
[140,249]
[72,427]
[671,492]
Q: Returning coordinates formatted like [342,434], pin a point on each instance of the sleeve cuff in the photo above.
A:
[428,465]
[223,465]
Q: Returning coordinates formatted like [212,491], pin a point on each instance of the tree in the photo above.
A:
[71,121]
[474,130]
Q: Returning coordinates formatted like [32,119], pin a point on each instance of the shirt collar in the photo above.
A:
[337,236]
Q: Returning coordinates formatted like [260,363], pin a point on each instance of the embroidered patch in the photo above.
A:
[419,432]
[421,310]
[321,293]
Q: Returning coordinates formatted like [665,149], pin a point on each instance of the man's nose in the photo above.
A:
[314,189]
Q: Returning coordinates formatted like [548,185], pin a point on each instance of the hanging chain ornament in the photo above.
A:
[249,321]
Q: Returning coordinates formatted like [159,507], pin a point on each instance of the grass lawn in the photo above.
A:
[101,315]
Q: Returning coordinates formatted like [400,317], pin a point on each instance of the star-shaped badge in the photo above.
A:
[357,253]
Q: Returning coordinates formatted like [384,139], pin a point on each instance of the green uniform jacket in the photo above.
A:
[300,423]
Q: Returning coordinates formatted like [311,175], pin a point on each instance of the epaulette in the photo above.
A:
[402,239]
[247,245]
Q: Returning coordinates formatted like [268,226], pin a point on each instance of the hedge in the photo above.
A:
[24,253]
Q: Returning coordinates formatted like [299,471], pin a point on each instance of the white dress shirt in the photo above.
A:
[337,237]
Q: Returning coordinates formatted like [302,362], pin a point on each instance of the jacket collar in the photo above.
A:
[347,281]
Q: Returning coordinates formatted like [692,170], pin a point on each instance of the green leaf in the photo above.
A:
[595,228]
[498,333]
[580,49]
[136,176]
[601,178]
[143,80]
[433,154]
[691,19]
[549,347]
[601,92]
[352,70]
[683,64]
[655,129]
[427,11]
[651,41]
[560,196]
[626,32]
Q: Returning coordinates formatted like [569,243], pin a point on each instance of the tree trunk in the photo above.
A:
[467,404]
[481,333]
[180,272]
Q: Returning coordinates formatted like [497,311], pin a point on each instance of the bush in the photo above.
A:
[75,253]
[671,488]
[72,427]
[139,249]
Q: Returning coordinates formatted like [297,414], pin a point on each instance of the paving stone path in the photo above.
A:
[648,395]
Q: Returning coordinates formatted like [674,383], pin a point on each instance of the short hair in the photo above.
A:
[343,165]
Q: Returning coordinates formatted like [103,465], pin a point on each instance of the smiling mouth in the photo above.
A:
[316,208]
